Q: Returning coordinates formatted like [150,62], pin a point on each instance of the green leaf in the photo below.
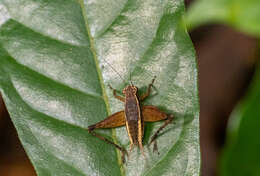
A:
[240,14]
[242,148]
[56,60]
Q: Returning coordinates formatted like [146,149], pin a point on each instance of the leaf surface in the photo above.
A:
[56,60]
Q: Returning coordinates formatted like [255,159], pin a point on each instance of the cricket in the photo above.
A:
[133,117]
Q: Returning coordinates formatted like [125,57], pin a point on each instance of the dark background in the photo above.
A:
[226,61]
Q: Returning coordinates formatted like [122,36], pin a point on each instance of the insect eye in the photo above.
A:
[135,89]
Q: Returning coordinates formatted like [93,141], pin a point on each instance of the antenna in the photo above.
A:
[114,70]
[131,80]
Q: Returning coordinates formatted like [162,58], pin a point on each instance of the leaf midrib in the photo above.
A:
[104,95]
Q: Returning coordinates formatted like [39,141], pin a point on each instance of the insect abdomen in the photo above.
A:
[132,113]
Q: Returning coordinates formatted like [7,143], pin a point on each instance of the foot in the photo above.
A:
[155,147]
[110,87]
[123,154]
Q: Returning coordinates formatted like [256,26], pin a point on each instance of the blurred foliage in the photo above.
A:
[243,15]
[242,155]
[54,73]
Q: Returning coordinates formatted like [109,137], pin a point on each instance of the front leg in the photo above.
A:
[148,90]
[115,94]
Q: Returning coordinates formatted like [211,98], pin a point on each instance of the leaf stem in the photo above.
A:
[105,97]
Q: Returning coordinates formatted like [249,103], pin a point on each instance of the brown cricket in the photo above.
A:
[133,117]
